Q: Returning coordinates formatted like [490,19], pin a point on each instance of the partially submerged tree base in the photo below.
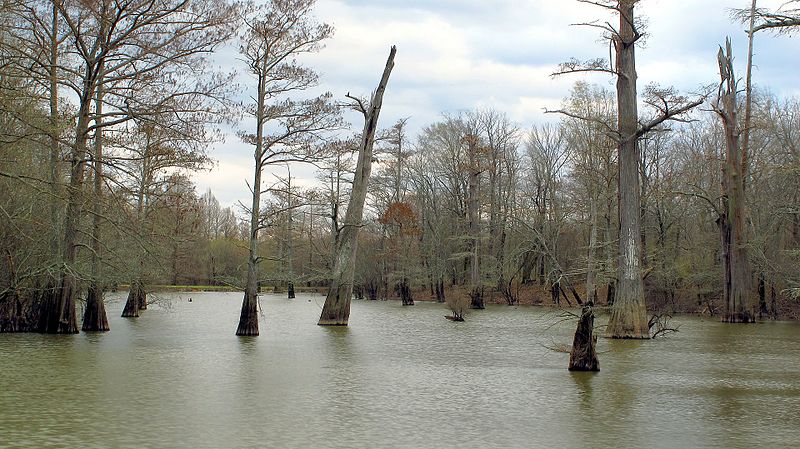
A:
[628,321]
[58,308]
[248,319]
[336,311]
[94,316]
[12,314]
[583,356]
[136,299]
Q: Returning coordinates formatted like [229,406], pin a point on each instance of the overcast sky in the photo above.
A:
[455,55]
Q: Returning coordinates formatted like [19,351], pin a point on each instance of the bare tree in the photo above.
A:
[336,311]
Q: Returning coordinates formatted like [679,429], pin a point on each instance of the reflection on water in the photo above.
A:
[397,377]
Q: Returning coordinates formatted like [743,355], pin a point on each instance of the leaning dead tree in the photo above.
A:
[336,311]
[731,220]
[629,312]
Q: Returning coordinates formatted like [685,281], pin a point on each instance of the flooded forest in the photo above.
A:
[654,217]
[643,201]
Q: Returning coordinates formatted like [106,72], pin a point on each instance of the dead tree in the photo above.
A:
[731,220]
[336,311]
[583,356]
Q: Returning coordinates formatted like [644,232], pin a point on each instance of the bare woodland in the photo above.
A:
[635,201]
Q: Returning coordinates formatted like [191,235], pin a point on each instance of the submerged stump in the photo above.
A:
[583,356]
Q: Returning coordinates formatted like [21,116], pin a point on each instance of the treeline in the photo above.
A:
[106,108]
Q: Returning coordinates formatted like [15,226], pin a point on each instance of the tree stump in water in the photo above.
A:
[583,356]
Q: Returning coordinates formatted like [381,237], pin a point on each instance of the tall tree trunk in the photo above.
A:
[137,296]
[94,315]
[49,291]
[58,315]
[732,220]
[248,318]
[591,286]
[748,97]
[628,314]
[336,311]
[54,137]
[475,282]
[290,243]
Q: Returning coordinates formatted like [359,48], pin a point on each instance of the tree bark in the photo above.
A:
[628,314]
[336,311]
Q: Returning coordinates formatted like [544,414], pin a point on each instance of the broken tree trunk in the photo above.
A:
[732,220]
[583,356]
[336,311]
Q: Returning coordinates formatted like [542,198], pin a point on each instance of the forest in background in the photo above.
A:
[108,107]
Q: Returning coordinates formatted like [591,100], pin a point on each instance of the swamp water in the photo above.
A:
[397,377]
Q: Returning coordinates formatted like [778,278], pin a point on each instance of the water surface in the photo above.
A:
[397,377]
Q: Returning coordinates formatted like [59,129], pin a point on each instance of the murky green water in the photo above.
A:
[396,378]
